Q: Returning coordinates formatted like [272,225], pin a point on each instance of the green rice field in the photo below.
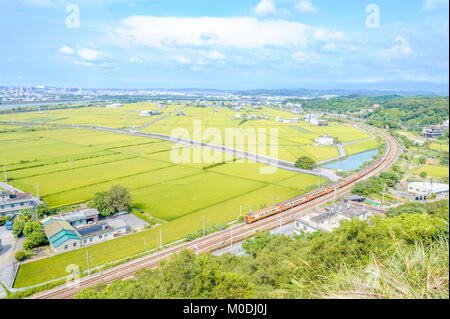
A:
[70,165]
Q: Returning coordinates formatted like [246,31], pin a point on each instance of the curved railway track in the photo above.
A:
[216,240]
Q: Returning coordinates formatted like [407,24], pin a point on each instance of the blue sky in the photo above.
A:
[224,44]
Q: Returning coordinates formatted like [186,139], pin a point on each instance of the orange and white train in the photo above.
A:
[302,199]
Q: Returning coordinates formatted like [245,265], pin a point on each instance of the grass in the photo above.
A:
[359,147]
[410,272]
[432,170]
[439,146]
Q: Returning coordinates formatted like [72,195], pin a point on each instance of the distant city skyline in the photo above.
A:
[228,45]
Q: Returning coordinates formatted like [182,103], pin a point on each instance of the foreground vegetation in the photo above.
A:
[406,256]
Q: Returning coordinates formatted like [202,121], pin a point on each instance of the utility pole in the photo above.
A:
[204,226]
[231,235]
[196,249]
[145,244]
[4,172]
[240,211]
[37,191]
[160,238]
[87,256]
[281,224]
[384,189]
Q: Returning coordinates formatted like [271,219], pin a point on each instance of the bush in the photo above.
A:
[305,162]
[20,256]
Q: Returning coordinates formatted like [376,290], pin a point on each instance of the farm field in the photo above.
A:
[439,146]
[70,165]
[361,147]
[433,170]
[294,140]
[124,117]
[77,163]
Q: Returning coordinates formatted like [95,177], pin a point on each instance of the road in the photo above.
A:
[218,240]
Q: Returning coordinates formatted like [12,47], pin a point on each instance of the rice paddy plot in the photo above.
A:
[433,170]
[360,147]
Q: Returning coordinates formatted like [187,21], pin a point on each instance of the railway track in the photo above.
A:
[216,240]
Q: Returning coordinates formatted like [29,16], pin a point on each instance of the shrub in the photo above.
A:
[20,256]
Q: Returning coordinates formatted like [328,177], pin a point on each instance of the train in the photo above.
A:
[305,198]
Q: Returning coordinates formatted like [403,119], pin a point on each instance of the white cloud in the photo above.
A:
[330,47]
[265,7]
[135,59]
[215,55]
[41,3]
[301,56]
[323,34]
[238,32]
[430,5]
[401,48]
[306,6]
[66,50]
[181,59]
[84,63]
[92,55]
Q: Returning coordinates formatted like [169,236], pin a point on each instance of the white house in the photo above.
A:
[325,140]
[279,119]
[291,120]
[114,106]
[423,190]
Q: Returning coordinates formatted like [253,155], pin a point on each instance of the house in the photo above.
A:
[61,235]
[325,140]
[423,191]
[14,203]
[330,217]
[64,237]
[81,217]
[252,117]
[114,106]
[150,113]
[291,120]
[433,132]
[180,113]
[279,119]
[322,123]
[445,125]
[237,116]
[93,234]
[357,199]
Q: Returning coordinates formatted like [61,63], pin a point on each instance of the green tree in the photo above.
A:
[305,162]
[19,225]
[118,199]
[99,203]
[258,243]
[43,210]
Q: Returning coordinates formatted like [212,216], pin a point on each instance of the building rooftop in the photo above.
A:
[79,214]
[52,226]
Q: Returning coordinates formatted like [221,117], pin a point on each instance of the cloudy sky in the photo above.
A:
[232,44]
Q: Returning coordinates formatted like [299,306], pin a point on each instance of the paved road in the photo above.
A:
[158,119]
[10,247]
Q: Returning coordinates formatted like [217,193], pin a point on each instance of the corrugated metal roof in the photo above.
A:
[54,226]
